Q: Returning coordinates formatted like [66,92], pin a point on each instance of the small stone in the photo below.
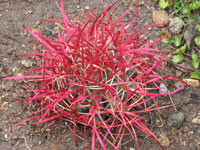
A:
[87,7]
[164,141]
[194,96]
[26,63]
[126,2]
[160,17]
[29,12]
[131,148]
[175,25]
[191,132]
[176,120]
[37,23]
[15,69]
[178,73]
[163,89]
[192,82]
[6,136]
[196,120]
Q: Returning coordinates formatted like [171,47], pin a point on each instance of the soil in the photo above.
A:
[15,40]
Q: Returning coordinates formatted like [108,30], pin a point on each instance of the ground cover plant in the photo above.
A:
[185,10]
[99,75]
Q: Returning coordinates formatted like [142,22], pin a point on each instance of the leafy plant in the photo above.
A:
[168,39]
[177,41]
[197,40]
[195,61]
[186,10]
[195,75]
[183,10]
[181,49]
[178,58]
[195,5]
[176,7]
[163,4]
[97,74]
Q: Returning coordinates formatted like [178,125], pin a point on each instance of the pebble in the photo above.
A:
[194,96]
[131,148]
[175,25]
[192,82]
[26,63]
[163,89]
[29,12]
[87,7]
[160,17]
[126,2]
[15,69]
[176,120]
[196,120]
[164,141]
[178,73]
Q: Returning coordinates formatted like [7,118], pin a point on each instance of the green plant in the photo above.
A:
[177,41]
[195,61]
[198,27]
[183,10]
[163,4]
[195,75]
[168,39]
[197,40]
[97,74]
[178,57]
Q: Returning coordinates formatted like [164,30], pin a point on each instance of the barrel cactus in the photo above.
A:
[97,74]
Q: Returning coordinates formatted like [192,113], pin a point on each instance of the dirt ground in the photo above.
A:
[15,40]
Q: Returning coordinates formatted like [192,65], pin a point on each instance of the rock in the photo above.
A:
[87,7]
[26,63]
[160,17]
[126,2]
[192,82]
[196,120]
[164,141]
[175,25]
[131,148]
[176,120]
[29,12]
[178,73]
[189,35]
[194,96]
[163,89]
